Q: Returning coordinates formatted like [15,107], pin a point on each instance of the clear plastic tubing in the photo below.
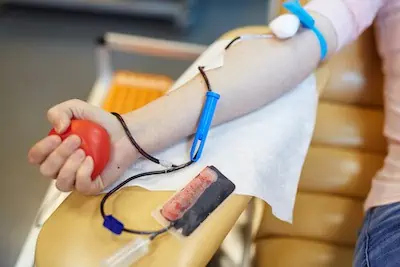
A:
[128,254]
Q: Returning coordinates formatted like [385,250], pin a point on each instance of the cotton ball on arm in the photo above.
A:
[285,26]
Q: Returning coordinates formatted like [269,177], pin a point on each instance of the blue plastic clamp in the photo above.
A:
[307,22]
[204,125]
[112,224]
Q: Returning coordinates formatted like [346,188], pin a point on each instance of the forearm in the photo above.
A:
[255,73]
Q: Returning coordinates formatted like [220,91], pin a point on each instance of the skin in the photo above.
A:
[255,72]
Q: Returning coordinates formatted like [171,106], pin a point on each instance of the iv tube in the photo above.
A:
[128,254]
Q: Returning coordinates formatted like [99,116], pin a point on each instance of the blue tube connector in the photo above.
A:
[206,118]
[113,224]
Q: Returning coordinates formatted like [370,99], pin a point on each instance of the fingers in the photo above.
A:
[62,159]
[84,183]
[42,149]
[53,163]
[60,115]
[74,173]
[66,177]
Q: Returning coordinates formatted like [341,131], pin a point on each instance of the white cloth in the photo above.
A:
[262,152]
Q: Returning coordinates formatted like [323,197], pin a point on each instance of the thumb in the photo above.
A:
[60,115]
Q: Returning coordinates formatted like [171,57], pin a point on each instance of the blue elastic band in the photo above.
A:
[307,22]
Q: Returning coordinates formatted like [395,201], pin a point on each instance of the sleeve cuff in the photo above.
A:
[339,15]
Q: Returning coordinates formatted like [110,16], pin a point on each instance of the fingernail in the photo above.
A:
[30,159]
[89,159]
[61,126]
[86,163]
[100,182]
[87,166]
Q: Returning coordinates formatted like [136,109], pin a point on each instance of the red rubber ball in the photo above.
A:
[95,142]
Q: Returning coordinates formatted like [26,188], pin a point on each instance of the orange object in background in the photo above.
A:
[131,90]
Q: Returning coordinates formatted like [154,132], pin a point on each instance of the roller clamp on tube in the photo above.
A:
[308,22]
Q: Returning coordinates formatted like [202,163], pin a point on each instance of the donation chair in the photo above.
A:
[346,151]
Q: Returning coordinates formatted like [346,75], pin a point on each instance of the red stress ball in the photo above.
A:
[95,142]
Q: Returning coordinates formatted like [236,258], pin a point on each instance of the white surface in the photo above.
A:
[52,200]
[27,255]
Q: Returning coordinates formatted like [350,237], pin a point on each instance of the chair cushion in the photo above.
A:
[289,252]
[340,171]
[74,235]
[349,126]
[321,217]
[355,73]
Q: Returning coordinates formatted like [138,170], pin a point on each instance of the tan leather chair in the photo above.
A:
[346,151]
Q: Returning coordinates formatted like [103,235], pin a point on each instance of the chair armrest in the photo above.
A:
[151,46]
[74,235]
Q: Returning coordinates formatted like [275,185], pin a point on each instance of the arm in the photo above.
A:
[387,39]
[255,73]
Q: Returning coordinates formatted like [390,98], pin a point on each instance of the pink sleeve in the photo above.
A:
[349,17]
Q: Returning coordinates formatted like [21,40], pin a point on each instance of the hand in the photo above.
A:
[67,163]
